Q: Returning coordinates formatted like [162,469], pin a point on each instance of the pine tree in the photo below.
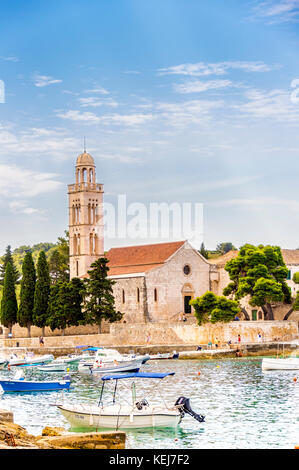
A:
[27,292]
[42,292]
[99,299]
[8,259]
[59,269]
[9,305]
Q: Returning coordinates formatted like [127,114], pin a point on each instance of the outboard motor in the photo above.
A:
[186,408]
[141,404]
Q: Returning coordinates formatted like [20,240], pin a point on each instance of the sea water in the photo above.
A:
[244,407]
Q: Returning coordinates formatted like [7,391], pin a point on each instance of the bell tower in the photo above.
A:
[85,217]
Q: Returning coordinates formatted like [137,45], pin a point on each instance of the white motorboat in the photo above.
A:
[138,414]
[54,366]
[159,356]
[288,363]
[72,359]
[109,367]
[30,360]
[105,355]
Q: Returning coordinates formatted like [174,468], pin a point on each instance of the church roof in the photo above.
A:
[85,159]
[140,258]
[289,257]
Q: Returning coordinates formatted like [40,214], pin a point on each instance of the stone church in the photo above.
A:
[154,282]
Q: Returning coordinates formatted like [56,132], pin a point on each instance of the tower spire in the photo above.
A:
[84,146]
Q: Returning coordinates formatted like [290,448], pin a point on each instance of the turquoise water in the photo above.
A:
[244,407]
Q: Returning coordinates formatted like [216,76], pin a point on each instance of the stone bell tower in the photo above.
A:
[85,217]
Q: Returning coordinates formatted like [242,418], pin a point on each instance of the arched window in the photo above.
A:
[123,296]
[155,295]
[138,294]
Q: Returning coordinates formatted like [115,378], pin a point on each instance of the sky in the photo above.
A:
[180,101]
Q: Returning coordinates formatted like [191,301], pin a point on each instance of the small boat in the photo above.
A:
[72,359]
[18,384]
[109,367]
[159,356]
[30,360]
[109,355]
[138,414]
[288,363]
[53,367]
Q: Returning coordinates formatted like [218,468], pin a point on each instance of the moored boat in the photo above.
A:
[288,363]
[138,414]
[109,367]
[30,360]
[18,384]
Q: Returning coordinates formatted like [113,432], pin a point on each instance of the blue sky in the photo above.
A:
[179,100]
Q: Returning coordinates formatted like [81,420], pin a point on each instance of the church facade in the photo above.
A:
[154,282]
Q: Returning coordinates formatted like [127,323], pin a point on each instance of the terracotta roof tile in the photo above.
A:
[140,258]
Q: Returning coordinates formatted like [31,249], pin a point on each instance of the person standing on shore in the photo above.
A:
[239,339]
[41,341]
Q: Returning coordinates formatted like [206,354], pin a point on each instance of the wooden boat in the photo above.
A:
[288,363]
[139,414]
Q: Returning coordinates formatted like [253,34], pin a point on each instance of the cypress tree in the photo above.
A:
[8,259]
[9,305]
[27,292]
[65,304]
[42,292]
[99,299]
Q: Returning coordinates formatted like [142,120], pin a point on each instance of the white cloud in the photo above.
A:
[95,102]
[188,112]
[97,90]
[219,68]
[75,115]
[9,59]
[278,11]
[274,104]
[19,182]
[54,142]
[43,80]
[198,86]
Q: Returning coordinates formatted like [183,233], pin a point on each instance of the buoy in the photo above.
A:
[217,366]
[295,379]
[198,373]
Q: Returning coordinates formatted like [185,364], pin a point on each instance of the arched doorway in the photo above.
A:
[187,294]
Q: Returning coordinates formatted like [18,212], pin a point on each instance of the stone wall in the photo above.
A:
[166,334]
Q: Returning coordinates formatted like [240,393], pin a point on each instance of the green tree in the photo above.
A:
[225,247]
[260,273]
[25,312]
[99,299]
[65,304]
[7,258]
[9,305]
[212,308]
[203,251]
[42,292]
[59,271]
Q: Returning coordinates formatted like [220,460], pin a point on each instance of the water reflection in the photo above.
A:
[244,406]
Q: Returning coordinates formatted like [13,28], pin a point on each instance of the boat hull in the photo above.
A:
[83,417]
[280,364]
[10,386]
[31,361]
[132,366]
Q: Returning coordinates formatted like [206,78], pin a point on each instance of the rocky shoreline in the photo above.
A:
[14,436]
